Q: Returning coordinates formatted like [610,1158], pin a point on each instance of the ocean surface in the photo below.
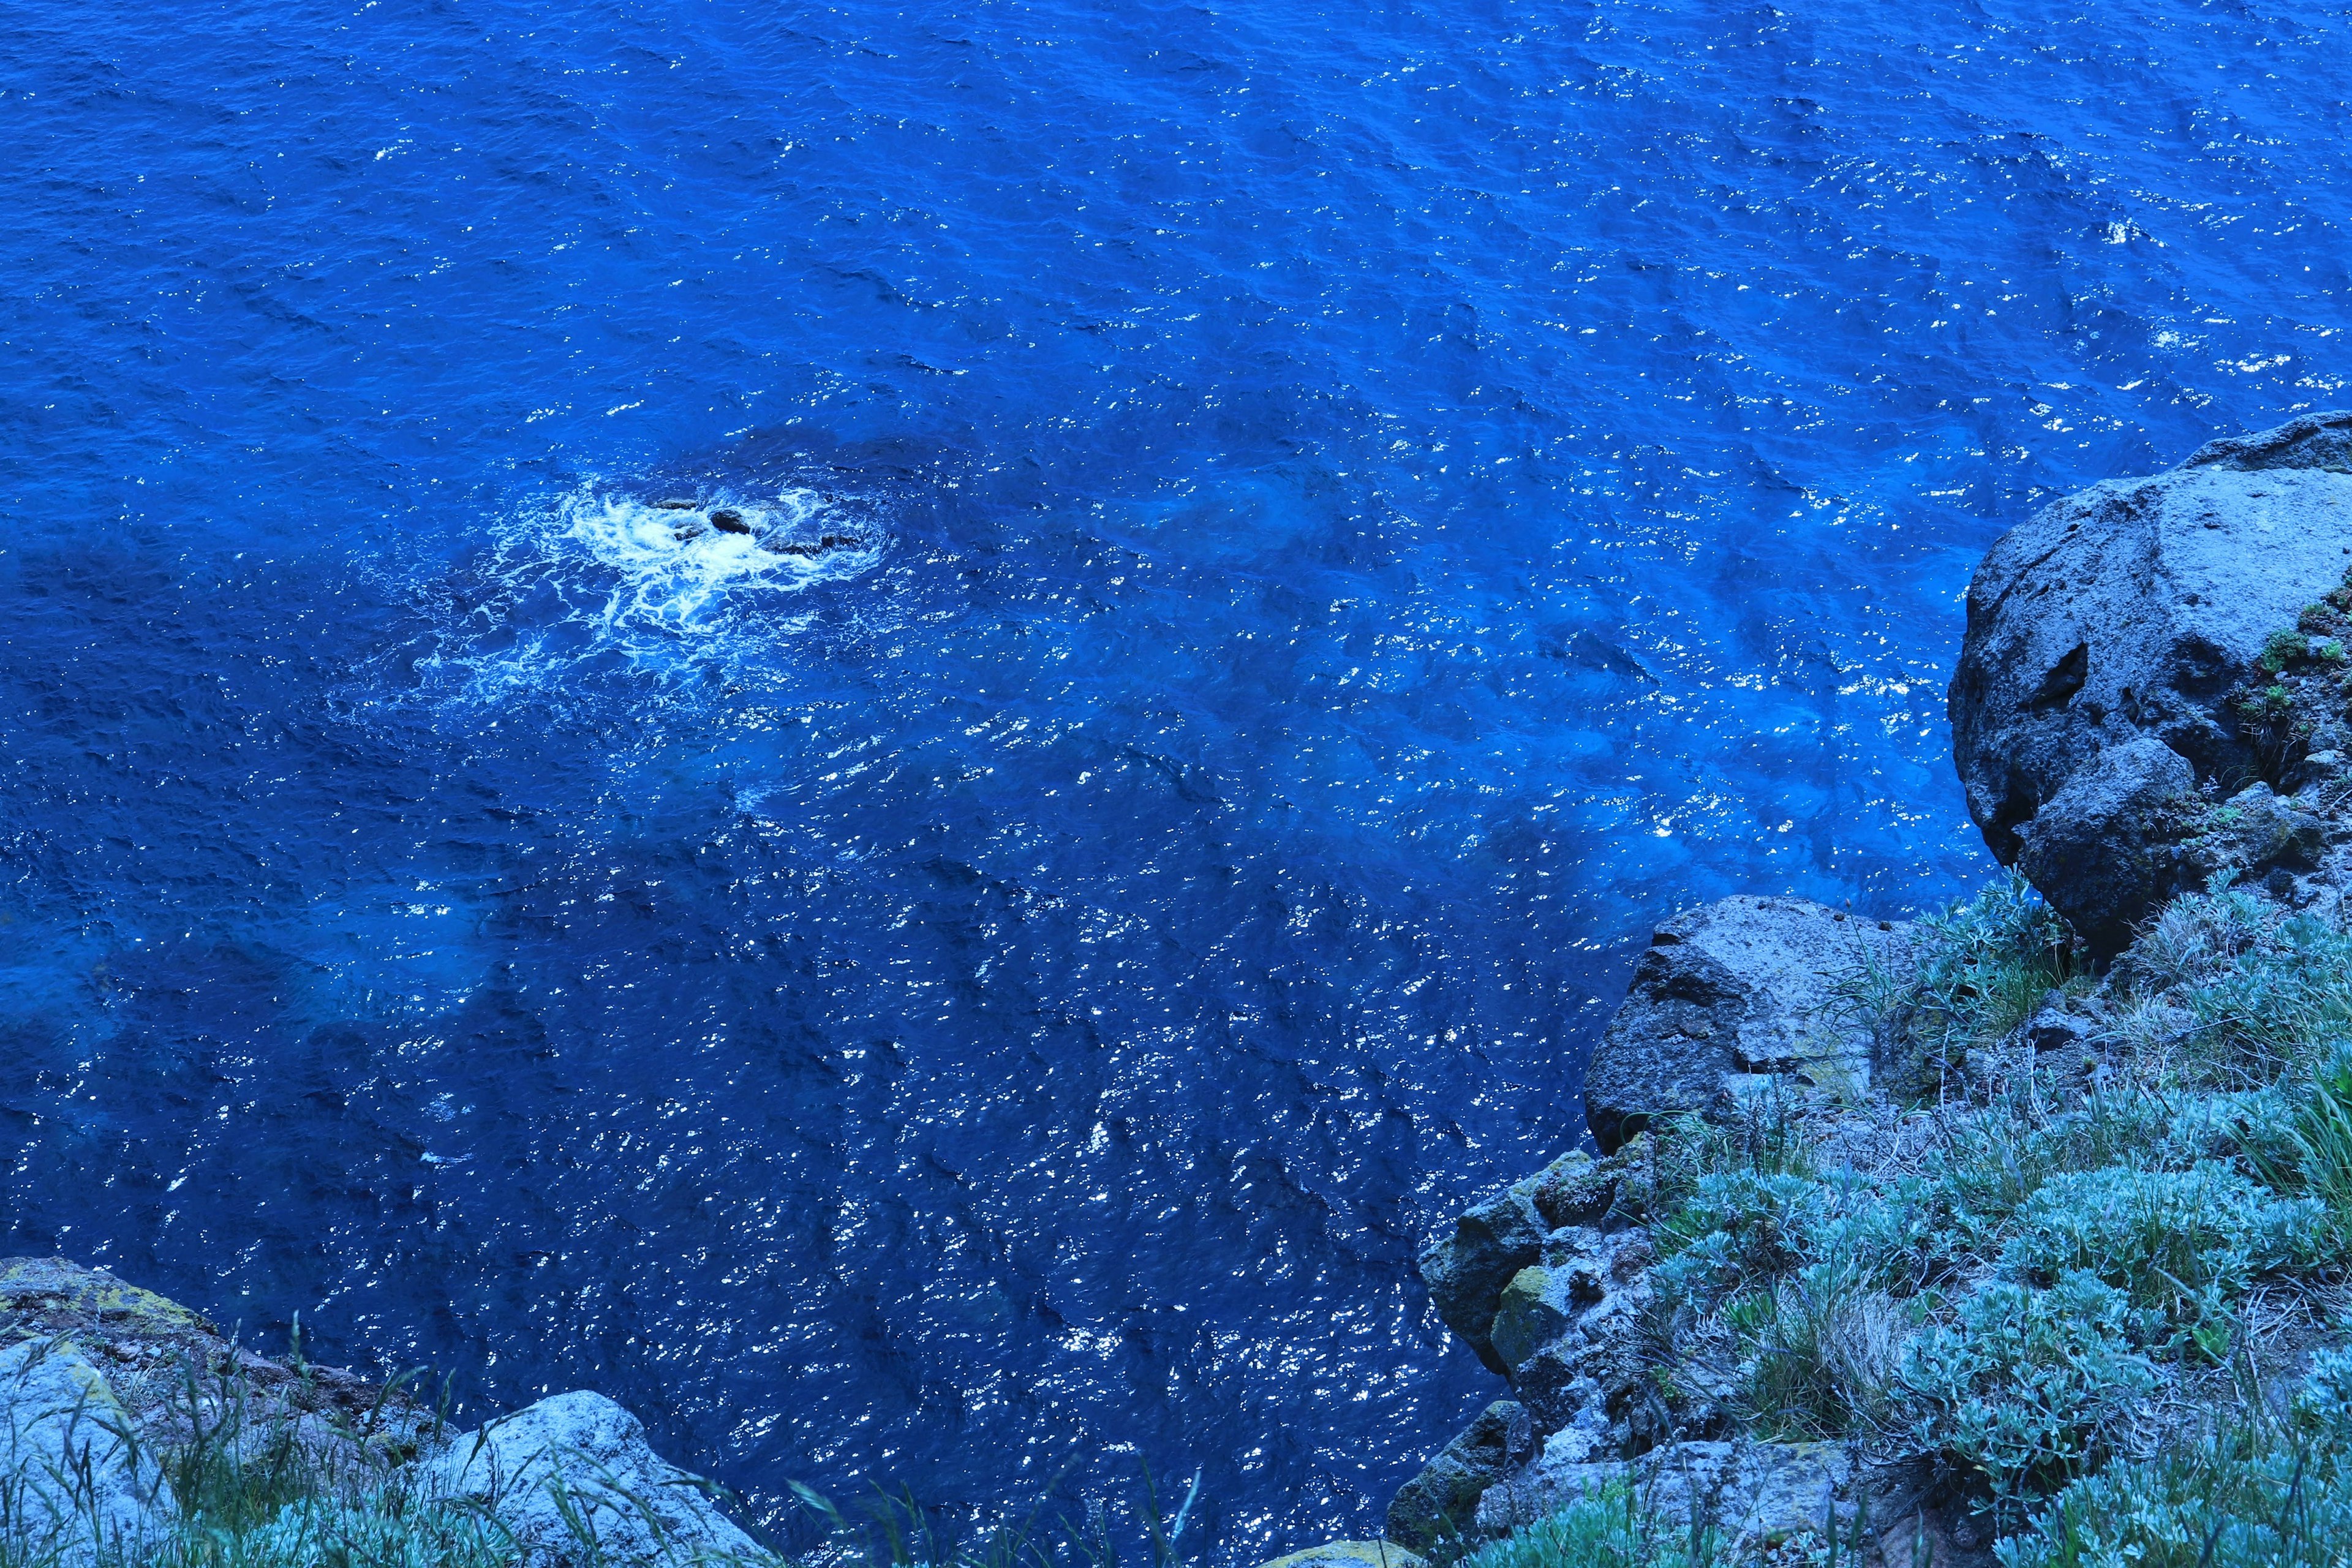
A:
[1343,517]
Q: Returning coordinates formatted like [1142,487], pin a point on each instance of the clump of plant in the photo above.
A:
[2252,1491]
[2296,686]
[2023,1389]
[243,1481]
[2182,1246]
[1969,975]
[2249,990]
[2030,1288]
[1609,1529]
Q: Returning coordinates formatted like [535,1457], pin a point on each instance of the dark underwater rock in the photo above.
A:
[1727,994]
[2139,609]
[830,541]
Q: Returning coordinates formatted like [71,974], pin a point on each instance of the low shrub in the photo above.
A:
[2258,990]
[2183,1245]
[2243,1497]
[2023,1387]
[1822,1352]
[1970,974]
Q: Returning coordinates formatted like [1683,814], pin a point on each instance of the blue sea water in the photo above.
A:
[1360,510]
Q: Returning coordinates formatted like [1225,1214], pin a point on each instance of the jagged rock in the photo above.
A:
[75,1483]
[1761,1493]
[1350,1555]
[638,1507]
[142,1343]
[1724,994]
[1466,1269]
[2106,850]
[2133,610]
[1439,1503]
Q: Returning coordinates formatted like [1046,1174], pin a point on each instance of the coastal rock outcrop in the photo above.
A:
[98,1378]
[2144,611]
[1439,1504]
[1729,995]
[78,1484]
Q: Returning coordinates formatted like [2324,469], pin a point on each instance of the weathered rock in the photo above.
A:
[2107,849]
[75,1483]
[2255,831]
[674,503]
[639,1508]
[1759,1493]
[1724,994]
[726,521]
[1350,1555]
[2133,609]
[1441,1502]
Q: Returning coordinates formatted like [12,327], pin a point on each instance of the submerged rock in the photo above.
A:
[830,541]
[1728,994]
[675,503]
[2129,613]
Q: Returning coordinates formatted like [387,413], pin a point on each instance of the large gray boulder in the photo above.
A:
[576,1482]
[2133,609]
[1726,996]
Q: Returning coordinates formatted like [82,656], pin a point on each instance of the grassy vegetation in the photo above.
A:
[2090,1297]
[1609,1530]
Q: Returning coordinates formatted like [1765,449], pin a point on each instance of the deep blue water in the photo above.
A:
[1361,511]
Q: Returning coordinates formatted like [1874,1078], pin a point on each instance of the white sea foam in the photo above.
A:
[594,572]
[679,583]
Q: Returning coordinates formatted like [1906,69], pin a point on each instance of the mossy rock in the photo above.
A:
[53,1296]
[1536,1309]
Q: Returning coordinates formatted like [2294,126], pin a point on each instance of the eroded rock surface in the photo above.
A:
[1440,1504]
[77,1485]
[1725,995]
[95,1382]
